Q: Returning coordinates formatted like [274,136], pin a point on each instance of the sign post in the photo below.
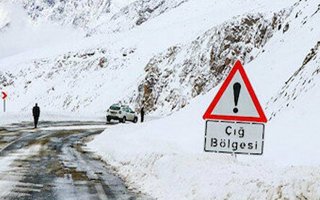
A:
[235,119]
[4,96]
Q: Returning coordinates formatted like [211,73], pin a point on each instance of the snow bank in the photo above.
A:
[165,157]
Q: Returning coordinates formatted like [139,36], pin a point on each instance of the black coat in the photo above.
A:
[36,111]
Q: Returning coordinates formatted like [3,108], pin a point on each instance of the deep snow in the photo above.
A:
[40,64]
[164,157]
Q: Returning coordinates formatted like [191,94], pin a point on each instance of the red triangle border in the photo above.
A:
[237,67]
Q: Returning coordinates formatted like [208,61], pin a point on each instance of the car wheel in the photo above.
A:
[135,120]
[123,120]
[108,119]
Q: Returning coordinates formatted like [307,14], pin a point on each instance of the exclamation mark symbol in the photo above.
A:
[236,93]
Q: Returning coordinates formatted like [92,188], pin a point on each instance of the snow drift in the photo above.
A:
[173,55]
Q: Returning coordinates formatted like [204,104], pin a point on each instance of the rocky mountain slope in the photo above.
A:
[133,67]
[305,71]
[79,14]
[305,78]
[102,16]
[168,152]
[174,60]
[186,71]
[136,14]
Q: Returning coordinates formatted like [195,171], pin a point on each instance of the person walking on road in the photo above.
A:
[142,114]
[36,115]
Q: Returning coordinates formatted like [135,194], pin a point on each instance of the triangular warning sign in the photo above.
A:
[236,100]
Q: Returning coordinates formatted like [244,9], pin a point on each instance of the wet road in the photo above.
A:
[53,163]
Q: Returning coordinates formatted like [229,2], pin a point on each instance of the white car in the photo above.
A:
[122,113]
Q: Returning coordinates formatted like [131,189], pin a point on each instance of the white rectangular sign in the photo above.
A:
[234,137]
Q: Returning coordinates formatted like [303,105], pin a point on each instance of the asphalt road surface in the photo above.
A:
[52,162]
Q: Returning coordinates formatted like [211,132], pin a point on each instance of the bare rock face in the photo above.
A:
[6,79]
[186,71]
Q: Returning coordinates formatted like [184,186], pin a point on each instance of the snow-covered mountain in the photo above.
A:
[185,71]
[77,13]
[167,67]
[165,157]
[180,53]
[136,14]
[173,55]
[101,16]
[80,14]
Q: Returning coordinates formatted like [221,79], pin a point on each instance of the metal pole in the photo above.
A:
[234,156]
[4,105]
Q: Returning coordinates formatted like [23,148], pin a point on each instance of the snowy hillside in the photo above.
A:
[77,61]
[81,14]
[136,14]
[102,16]
[186,71]
[166,159]
[173,55]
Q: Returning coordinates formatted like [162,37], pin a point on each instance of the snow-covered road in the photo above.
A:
[52,163]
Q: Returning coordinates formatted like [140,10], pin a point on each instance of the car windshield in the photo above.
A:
[114,107]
